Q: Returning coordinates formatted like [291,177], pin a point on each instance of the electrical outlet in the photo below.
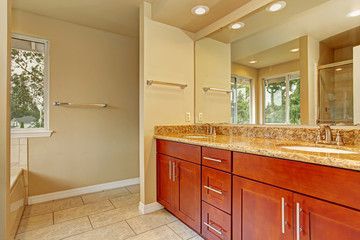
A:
[201,117]
[187,117]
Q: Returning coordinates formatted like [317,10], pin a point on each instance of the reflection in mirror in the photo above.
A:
[272,63]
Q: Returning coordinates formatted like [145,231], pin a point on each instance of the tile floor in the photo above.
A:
[106,215]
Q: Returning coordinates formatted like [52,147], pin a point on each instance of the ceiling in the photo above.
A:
[327,18]
[272,56]
[122,16]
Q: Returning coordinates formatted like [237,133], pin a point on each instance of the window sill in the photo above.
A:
[30,133]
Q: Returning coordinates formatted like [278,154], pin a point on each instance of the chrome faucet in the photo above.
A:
[328,136]
[210,129]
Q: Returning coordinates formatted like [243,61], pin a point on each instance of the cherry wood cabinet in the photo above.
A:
[261,211]
[316,220]
[179,181]
[256,197]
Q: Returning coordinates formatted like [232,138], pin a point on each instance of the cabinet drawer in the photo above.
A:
[322,182]
[216,158]
[183,151]
[215,223]
[216,188]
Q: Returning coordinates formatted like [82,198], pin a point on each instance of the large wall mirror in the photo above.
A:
[294,66]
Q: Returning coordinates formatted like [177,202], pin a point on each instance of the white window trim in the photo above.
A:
[287,79]
[37,132]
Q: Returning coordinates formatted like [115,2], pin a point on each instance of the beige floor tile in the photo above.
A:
[58,231]
[85,210]
[126,200]
[161,233]
[116,231]
[182,230]
[134,188]
[52,206]
[36,222]
[196,238]
[113,216]
[104,195]
[150,221]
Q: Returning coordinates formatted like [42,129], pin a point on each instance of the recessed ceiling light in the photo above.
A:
[338,69]
[252,62]
[200,10]
[295,50]
[354,13]
[237,25]
[276,6]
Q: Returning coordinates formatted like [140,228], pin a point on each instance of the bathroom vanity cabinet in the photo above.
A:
[230,195]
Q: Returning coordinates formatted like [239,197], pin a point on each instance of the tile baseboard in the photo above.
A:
[149,208]
[80,191]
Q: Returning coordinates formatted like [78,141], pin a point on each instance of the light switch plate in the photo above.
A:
[187,117]
[201,117]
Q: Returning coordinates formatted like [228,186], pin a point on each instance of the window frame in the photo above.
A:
[237,77]
[287,107]
[45,131]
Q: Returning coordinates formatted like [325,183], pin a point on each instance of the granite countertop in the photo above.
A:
[271,148]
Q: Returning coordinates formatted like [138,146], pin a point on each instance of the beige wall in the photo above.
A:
[166,54]
[5,21]
[212,69]
[90,145]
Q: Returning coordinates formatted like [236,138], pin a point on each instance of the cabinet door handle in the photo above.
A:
[212,159]
[174,171]
[298,228]
[214,190]
[209,225]
[283,223]
[170,170]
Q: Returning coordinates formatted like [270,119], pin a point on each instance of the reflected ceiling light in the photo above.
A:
[237,25]
[338,69]
[200,10]
[295,50]
[252,62]
[276,6]
[354,13]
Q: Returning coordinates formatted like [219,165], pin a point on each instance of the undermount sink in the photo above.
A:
[197,136]
[318,149]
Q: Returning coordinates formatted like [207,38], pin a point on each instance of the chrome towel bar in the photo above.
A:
[216,89]
[151,82]
[80,105]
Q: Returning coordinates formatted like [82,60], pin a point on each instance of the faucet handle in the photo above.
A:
[339,139]
[318,137]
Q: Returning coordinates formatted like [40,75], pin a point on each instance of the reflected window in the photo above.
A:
[240,100]
[282,99]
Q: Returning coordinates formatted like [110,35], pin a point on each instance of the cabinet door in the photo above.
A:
[166,185]
[318,220]
[261,211]
[189,199]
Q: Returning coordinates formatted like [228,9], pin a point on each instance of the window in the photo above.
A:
[29,81]
[240,100]
[282,99]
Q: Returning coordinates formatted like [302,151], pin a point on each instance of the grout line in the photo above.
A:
[173,230]
[90,222]
[81,197]
[112,203]
[131,228]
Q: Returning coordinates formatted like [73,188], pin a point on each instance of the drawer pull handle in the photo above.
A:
[209,225]
[213,159]
[214,190]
